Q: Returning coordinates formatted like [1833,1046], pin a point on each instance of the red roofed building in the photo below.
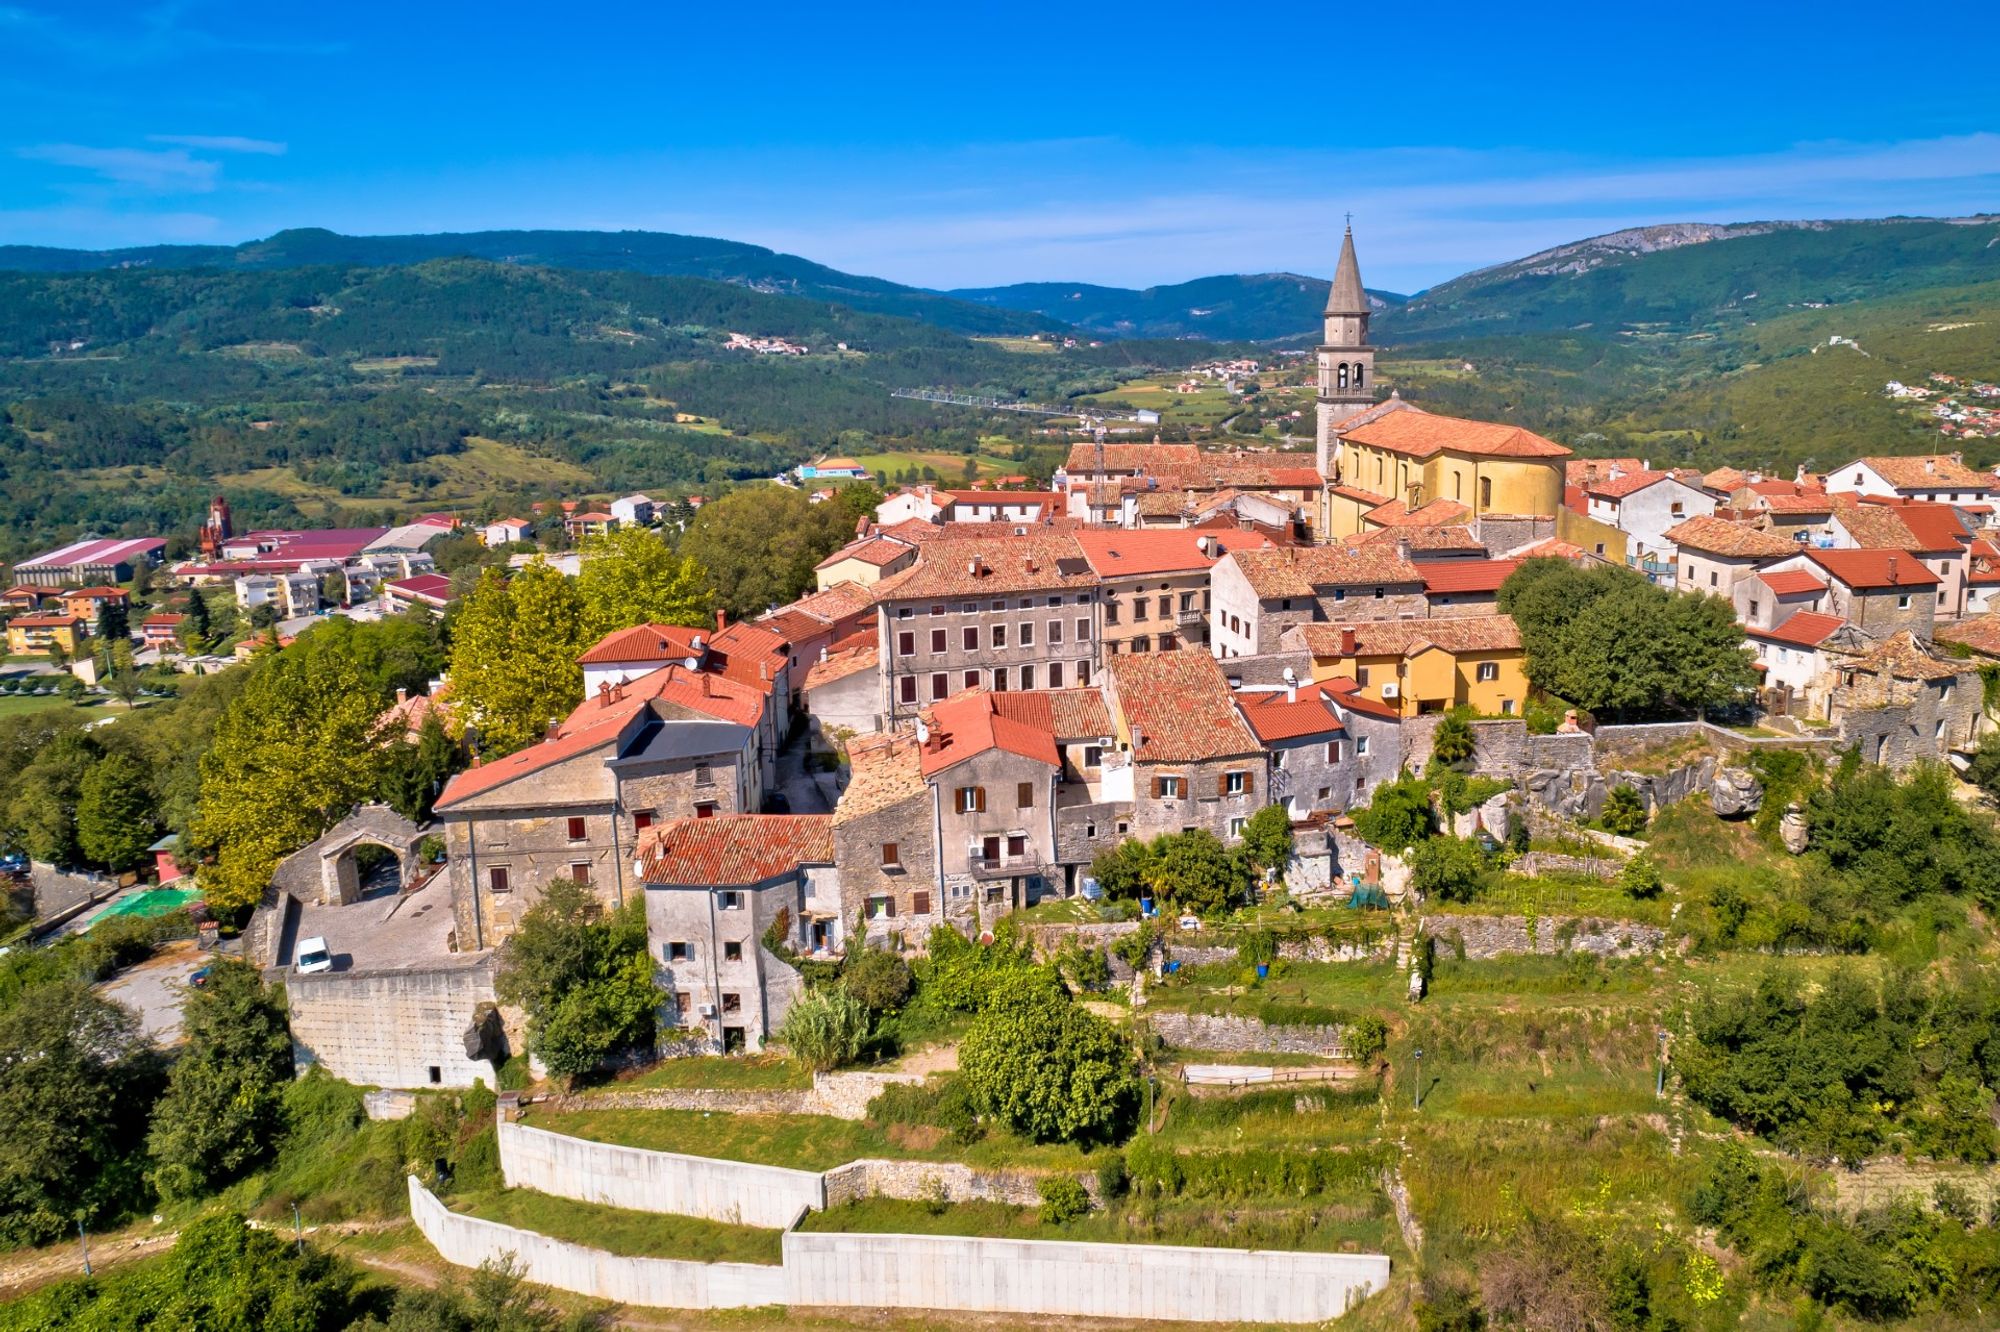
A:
[714,888]
[1195,762]
[1155,584]
[1877,591]
[1465,587]
[431,592]
[1789,655]
[158,631]
[1939,478]
[1416,457]
[671,744]
[1327,754]
[1259,594]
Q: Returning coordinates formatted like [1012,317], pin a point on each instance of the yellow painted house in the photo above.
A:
[35,635]
[1421,666]
[1414,457]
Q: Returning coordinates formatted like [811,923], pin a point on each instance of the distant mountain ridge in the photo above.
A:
[659,254]
[1226,308]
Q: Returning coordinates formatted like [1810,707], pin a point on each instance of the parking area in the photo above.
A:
[379,933]
[154,988]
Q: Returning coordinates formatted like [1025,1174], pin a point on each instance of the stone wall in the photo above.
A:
[735,1192]
[1486,937]
[1037,1277]
[918,1181]
[1551,862]
[392,1028]
[1241,1035]
[662,1283]
[837,1095]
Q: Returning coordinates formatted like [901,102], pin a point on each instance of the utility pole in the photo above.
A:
[298,1231]
[1660,1086]
[1417,1092]
[84,1240]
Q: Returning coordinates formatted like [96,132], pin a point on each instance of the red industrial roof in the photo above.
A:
[95,551]
[734,850]
[425,587]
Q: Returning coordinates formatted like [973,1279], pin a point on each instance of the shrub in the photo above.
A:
[1366,1038]
[1398,816]
[1257,947]
[1045,1067]
[824,1028]
[1453,742]
[1450,869]
[1064,1199]
[943,1103]
[879,979]
[1134,948]
[1085,967]
[1111,1177]
[1624,811]
[1640,877]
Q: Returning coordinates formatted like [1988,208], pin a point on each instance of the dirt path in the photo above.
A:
[34,1268]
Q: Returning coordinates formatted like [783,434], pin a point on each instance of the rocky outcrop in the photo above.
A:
[1736,792]
[1792,829]
[1580,793]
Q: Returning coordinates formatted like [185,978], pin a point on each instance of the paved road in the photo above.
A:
[154,989]
[808,792]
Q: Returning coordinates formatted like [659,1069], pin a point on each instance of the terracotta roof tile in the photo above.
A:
[1791,582]
[875,550]
[1180,704]
[1401,638]
[1133,458]
[1449,576]
[969,724]
[1719,536]
[1439,511]
[1583,471]
[642,642]
[1981,633]
[1801,629]
[840,665]
[1869,569]
[1420,434]
[1126,552]
[1273,717]
[733,849]
[1296,571]
[1442,538]
[1923,473]
[1066,714]
[883,772]
[1902,656]
[990,565]
[1932,527]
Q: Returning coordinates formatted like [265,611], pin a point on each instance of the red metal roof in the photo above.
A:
[734,850]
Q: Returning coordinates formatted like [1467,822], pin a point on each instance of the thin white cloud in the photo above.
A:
[222,143]
[167,170]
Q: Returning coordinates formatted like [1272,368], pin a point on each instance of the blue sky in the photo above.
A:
[975,144]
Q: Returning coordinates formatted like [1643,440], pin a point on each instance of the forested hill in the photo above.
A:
[659,254]
[1248,307]
[1687,278]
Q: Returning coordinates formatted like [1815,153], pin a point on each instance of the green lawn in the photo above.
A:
[1321,1224]
[20,705]
[799,1142]
[620,1231]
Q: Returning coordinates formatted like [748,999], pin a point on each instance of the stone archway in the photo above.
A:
[338,869]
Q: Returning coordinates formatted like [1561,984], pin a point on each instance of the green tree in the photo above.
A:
[223,1109]
[1049,1070]
[1448,869]
[1121,870]
[633,577]
[1267,838]
[414,772]
[824,1028]
[197,622]
[1195,872]
[1624,811]
[878,978]
[513,656]
[1398,815]
[759,545]
[114,813]
[114,621]
[76,1076]
[292,754]
[1453,742]
[42,813]
[582,976]
[1640,876]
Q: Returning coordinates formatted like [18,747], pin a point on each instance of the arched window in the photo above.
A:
[1357,374]
[1343,375]
[1485,493]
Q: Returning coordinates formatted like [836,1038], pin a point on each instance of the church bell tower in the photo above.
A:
[1346,361]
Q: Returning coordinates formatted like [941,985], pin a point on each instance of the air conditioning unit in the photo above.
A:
[1390,691]
[707,1010]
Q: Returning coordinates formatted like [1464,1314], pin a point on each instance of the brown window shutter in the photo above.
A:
[920,903]
[1159,788]
[1222,783]
[1024,793]
[979,798]
[1249,783]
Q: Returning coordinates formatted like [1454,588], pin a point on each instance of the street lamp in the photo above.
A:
[1417,1092]
[1660,1085]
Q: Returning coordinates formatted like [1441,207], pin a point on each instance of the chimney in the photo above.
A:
[705,690]
[1291,685]
[822,654]
[1347,642]
[1892,568]
[1138,739]
[721,620]
[1403,549]
[402,696]
[555,724]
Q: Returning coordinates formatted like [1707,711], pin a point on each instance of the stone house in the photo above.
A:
[1878,591]
[993,781]
[1793,657]
[885,837]
[865,561]
[1001,613]
[1155,584]
[1934,534]
[1766,599]
[1195,763]
[1464,587]
[1259,594]
[1938,478]
[1714,554]
[1903,701]
[842,691]
[714,888]
[669,745]
[1329,749]
[1422,666]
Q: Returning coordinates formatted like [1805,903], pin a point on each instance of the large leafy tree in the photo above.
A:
[633,577]
[1049,1070]
[76,1076]
[42,813]
[1195,871]
[223,1110]
[415,771]
[759,545]
[582,975]
[514,647]
[114,813]
[292,755]
[1267,838]
[1447,869]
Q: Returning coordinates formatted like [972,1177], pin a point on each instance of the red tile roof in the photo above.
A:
[1932,527]
[1792,582]
[166,620]
[94,593]
[1399,638]
[1133,458]
[1398,514]
[968,725]
[1127,552]
[1923,473]
[643,642]
[1420,434]
[1180,704]
[1448,576]
[987,565]
[877,551]
[1296,571]
[1626,483]
[1347,693]
[1981,634]
[1066,714]
[1801,629]
[1719,536]
[1275,717]
[46,621]
[840,665]
[1869,569]
[733,850]
[1359,495]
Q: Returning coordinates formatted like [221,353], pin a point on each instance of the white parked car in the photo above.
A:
[312,956]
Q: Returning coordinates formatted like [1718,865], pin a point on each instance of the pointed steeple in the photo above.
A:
[1347,296]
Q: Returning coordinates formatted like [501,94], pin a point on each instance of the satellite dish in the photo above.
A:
[923,732]
[692,663]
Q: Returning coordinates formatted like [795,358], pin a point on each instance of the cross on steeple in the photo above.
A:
[1350,221]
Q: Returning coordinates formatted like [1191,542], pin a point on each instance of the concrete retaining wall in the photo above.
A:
[661,1283]
[937,1272]
[599,1172]
[392,1028]
[1078,1280]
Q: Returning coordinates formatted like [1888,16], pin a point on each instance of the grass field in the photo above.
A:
[618,1230]
[1026,346]
[17,705]
[950,467]
[740,1073]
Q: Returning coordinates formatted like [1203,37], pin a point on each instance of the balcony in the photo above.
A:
[1192,615]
